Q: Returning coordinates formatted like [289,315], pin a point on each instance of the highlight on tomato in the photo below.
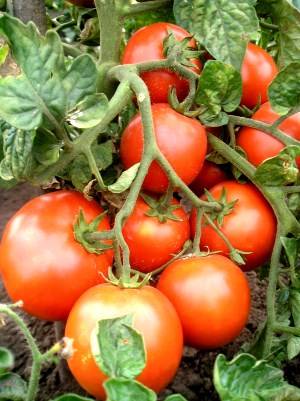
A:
[147,44]
[250,226]
[181,139]
[41,263]
[211,296]
[154,235]
[258,71]
[259,145]
[153,316]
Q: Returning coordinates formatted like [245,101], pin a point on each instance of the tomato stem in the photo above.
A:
[196,242]
[136,8]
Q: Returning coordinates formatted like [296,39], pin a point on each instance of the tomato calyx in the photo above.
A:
[161,208]
[180,51]
[136,279]
[83,231]
[227,207]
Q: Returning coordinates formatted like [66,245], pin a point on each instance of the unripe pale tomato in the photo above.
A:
[250,227]
[147,45]
[211,296]
[259,145]
[258,71]
[151,242]
[181,139]
[153,316]
[41,262]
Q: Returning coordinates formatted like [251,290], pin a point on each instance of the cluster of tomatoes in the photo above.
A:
[200,300]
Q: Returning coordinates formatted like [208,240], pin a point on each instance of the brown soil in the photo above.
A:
[194,378]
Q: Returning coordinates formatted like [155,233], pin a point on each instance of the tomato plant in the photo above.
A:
[215,290]
[154,317]
[147,44]
[250,223]
[40,256]
[185,152]
[154,239]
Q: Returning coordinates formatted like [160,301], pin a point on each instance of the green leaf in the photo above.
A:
[223,26]
[38,91]
[6,360]
[80,80]
[246,379]
[72,397]
[118,348]
[127,390]
[287,17]
[89,112]
[294,299]
[12,387]
[293,347]
[175,397]
[281,169]
[125,180]
[4,50]
[284,91]
[17,146]
[46,148]
[292,248]
[220,88]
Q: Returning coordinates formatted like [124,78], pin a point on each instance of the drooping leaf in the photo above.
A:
[284,91]
[127,390]
[46,148]
[72,397]
[80,80]
[17,146]
[118,348]
[12,387]
[89,112]
[220,88]
[6,360]
[293,347]
[281,169]
[292,248]
[38,91]
[125,180]
[223,26]
[245,378]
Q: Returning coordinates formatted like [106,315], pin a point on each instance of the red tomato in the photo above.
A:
[181,139]
[147,44]
[258,71]
[83,3]
[40,261]
[211,296]
[258,145]
[154,317]
[250,227]
[211,174]
[152,243]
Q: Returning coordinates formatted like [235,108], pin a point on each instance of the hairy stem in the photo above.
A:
[136,8]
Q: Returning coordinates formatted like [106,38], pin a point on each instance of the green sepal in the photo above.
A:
[184,53]
[227,207]
[82,228]
[160,209]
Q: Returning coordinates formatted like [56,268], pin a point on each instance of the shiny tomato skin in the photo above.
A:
[258,71]
[151,242]
[210,175]
[83,3]
[41,262]
[153,316]
[181,139]
[259,145]
[211,296]
[251,227]
[147,45]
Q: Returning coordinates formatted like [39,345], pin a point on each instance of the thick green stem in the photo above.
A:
[271,292]
[279,328]
[269,129]
[94,168]
[136,8]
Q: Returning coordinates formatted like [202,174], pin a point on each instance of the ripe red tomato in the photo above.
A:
[181,139]
[251,227]
[258,71]
[146,45]
[258,145]
[83,3]
[40,261]
[211,296]
[151,242]
[211,174]
[154,317]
